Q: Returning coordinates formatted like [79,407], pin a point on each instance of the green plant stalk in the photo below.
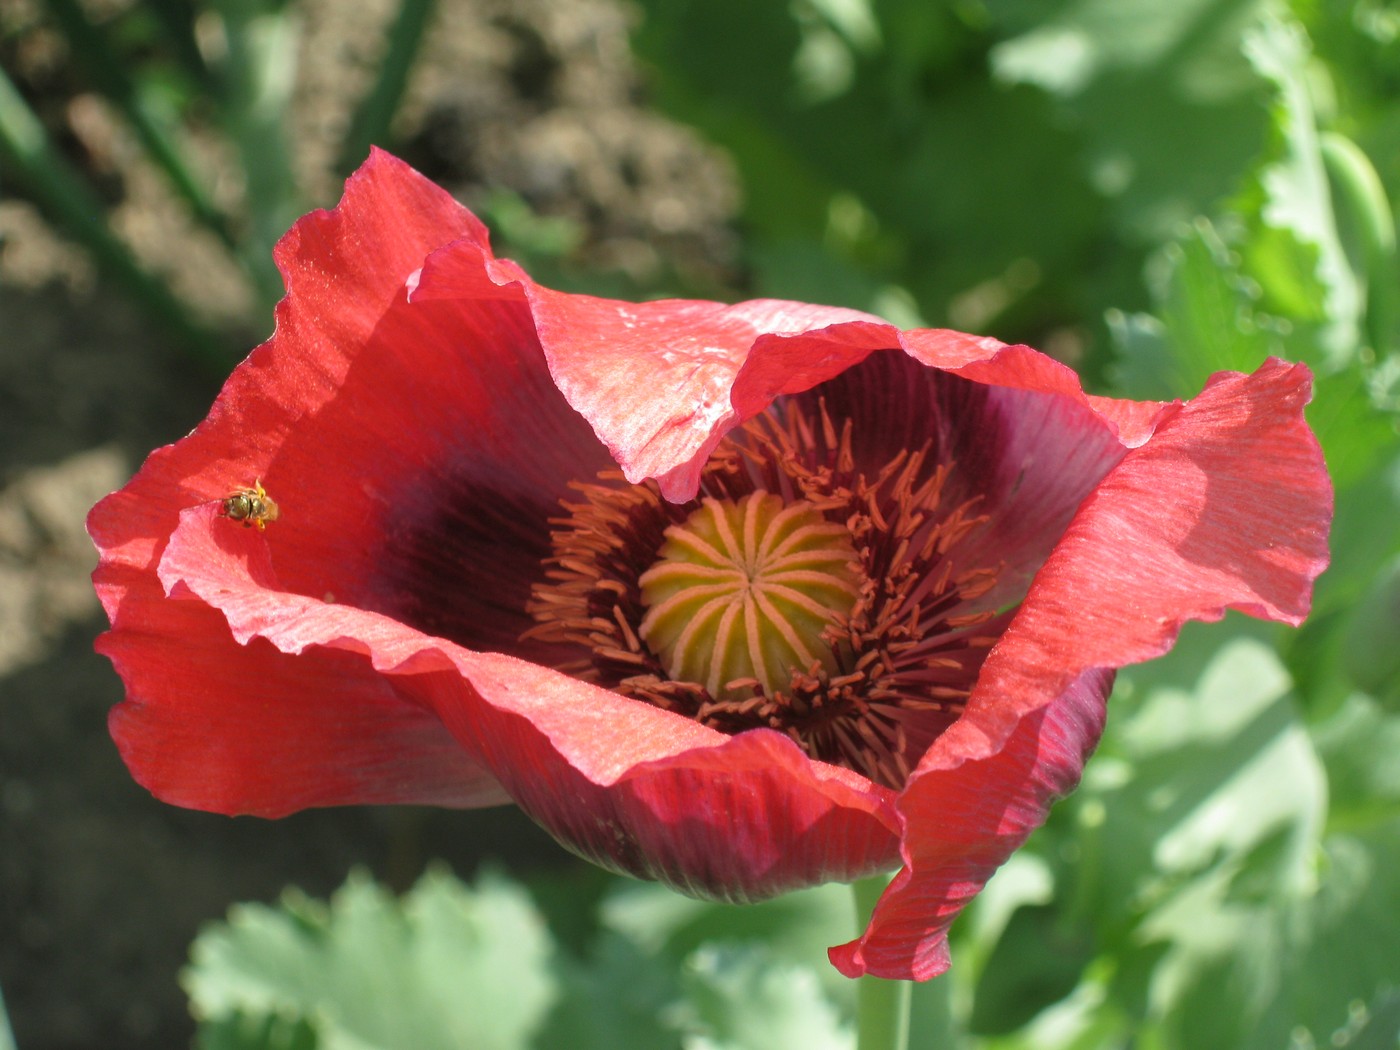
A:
[176,18]
[96,60]
[882,1007]
[65,199]
[1360,193]
[376,110]
[259,72]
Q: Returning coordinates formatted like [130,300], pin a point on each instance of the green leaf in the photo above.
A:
[1220,769]
[36,164]
[1376,1026]
[797,927]
[239,1031]
[739,997]
[1163,99]
[1234,863]
[1206,319]
[943,179]
[1359,744]
[621,997]
[1359,437]
[107,67]
[445,968]
[668,971]
[1297,193]
[1369,646]
[523,231]
[1038,960]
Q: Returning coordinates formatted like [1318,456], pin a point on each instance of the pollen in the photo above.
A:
[746,592]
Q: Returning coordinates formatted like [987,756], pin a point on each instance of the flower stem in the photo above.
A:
[882,1007]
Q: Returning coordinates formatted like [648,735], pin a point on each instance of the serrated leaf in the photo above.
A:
[444,968]
[1206,319]
[738,997]
[797,927]
[1298,195]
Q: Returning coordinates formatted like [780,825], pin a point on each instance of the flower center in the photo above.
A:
[745,592]
[807,590]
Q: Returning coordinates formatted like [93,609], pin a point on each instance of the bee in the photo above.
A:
[251,506]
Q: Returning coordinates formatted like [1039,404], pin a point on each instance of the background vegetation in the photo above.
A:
[1150,192]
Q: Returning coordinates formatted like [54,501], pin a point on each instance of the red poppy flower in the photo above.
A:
[741,598]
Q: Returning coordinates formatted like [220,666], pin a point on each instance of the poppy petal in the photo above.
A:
[259,732]
[1226,506]
[627,785]
[208,723]
[653,379]
[963,822]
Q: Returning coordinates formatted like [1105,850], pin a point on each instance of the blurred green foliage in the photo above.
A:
[1155,192]
[369,971]
[474,968]
[1151,191]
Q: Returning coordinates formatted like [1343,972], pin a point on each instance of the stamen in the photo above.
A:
[803,591]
